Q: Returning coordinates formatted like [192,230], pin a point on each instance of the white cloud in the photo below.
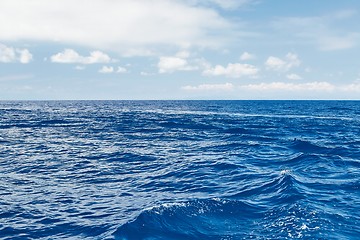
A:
[25,56]
[247,56]
[106,69]
[293,76]
[71,56]
[232,70]
[9,54]
[127,26]
[181,61]
[210,87]
[275,63]
[121,70]
[282,65]
[110,69]
[310,86]
[308,90]
[315,87]
[172,64]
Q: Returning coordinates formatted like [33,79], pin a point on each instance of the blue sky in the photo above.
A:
[179,49]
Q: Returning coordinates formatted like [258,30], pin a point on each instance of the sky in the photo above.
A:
[179,49]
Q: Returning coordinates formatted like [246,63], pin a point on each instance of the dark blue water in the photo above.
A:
[180,170]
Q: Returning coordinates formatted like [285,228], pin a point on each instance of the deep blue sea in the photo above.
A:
[180,170]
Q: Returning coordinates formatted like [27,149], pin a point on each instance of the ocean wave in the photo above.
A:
[197,219]
[179,170]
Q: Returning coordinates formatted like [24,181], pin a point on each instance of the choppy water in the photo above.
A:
[180,170]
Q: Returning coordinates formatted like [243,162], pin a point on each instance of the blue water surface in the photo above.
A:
[180,170]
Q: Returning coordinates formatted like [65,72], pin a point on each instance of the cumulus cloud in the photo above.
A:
[232,70]
[130,26]
[10,54]
[121,70]
[210,87]
[179,62]
[182,62]
[111,69]
[71,56]
[25,55]
[7,54]
[275,63]
[246,56]
[171,64]
[293,76]
[106,69]
[282,65]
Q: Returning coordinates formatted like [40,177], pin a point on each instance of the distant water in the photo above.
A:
[180,170]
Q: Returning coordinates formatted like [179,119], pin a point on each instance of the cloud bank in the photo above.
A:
[129,26]
[276,86]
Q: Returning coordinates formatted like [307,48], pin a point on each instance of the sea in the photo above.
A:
[152,170]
